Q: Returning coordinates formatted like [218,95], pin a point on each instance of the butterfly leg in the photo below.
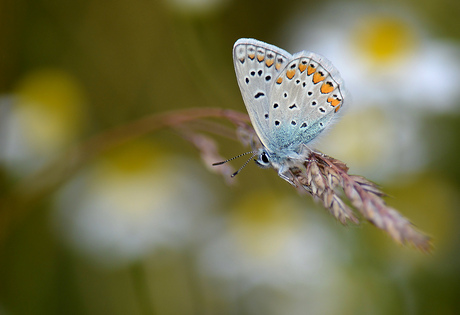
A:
[285,173]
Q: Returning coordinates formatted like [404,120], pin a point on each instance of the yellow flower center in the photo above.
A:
[384,39]
[50,109]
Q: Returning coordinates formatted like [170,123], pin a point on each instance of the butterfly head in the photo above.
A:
[263,159]
[281,163]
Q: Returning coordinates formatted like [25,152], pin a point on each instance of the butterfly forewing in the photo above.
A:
[304,99]
[257,65]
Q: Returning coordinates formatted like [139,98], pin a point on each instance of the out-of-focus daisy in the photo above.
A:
[266,242]
[384,56]
[131,203]
[270,256]
[395,73]
[43,115]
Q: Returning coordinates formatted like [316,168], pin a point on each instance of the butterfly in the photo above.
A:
[290,100]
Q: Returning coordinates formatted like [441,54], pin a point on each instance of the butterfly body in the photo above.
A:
[290,100]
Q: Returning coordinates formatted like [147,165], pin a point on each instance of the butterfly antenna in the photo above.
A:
[235,157]
[246,163]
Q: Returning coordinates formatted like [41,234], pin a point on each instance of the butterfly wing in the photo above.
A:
[306,95]
[257,64]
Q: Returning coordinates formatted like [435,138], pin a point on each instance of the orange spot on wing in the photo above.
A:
[280,79]
[260,58]
[311,69]
[317,77]
[334,102]
[302,67]
[252,56]
[327,88]
[290,73]
[269,62]
[337,109]
[278,66]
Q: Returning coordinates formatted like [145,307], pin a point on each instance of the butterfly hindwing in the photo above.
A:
[306,96]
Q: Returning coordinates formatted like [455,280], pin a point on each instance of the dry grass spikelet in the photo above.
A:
[325,178]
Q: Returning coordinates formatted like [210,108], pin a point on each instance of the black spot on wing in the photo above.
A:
[259,94]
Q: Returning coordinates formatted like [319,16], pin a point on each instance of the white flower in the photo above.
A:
[384,56]
[119,210]
[266,242]
[40,119]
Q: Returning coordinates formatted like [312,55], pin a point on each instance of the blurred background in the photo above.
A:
[146,228]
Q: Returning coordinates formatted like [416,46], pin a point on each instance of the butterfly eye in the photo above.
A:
[264,158]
